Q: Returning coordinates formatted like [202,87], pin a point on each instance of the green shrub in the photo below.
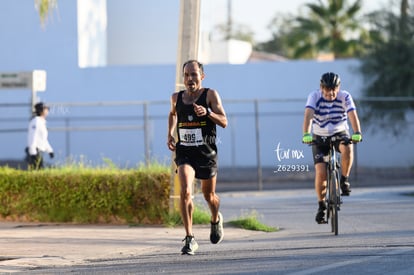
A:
[86,195]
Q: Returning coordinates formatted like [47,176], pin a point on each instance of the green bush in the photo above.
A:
[85,195]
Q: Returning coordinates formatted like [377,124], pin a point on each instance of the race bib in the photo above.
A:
[190,137]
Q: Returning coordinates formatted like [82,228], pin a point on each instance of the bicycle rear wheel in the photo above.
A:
[334,202]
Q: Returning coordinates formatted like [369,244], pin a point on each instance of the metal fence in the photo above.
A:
[256,126]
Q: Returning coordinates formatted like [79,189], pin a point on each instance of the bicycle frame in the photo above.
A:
[333,194]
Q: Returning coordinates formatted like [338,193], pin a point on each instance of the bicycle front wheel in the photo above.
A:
[334,204]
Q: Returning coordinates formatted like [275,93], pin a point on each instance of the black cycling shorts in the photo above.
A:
[203,161]
[321,149]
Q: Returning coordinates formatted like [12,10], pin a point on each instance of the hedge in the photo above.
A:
[85,195]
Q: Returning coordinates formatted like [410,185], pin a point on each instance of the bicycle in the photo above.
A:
[333,191]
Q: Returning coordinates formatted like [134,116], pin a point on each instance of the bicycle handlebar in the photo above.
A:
[329,140]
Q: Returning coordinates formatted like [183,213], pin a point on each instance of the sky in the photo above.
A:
[257,14]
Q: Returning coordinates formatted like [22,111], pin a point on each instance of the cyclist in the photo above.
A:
[326,115]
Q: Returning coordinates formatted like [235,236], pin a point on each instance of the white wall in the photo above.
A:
[142,32]
[92,27]
[227,52]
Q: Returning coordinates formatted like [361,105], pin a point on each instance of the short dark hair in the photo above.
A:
[200,65]
[39,108]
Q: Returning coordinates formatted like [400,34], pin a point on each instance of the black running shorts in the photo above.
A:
[203,161]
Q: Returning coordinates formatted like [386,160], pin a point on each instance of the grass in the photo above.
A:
[251,222]
[202,216]
[82,164]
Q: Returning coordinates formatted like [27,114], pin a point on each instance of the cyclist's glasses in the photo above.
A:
[330,88]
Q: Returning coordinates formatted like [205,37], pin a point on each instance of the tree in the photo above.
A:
[44,8]
[388,69]
[331,26]
[237,31]
[280,27]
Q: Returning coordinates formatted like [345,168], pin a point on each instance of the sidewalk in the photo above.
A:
[25,246]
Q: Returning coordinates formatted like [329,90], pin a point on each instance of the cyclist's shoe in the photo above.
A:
[217,232]
[320,215]
[345,188]
[190,245]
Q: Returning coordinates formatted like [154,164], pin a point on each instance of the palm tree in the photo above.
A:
[332,26]
[44,7]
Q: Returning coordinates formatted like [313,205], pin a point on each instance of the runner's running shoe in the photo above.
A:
[217,232]
[190,245]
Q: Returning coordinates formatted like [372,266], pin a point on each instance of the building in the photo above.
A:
[95,58]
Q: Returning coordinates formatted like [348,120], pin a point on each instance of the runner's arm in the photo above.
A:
[172,121]
[217,113]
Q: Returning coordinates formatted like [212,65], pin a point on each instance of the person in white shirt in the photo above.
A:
[326,115]
[37,138]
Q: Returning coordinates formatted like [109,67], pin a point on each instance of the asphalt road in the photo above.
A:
[376,236]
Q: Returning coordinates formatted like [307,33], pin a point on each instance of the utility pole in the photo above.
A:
[188,40]
[229,28]
[188,36]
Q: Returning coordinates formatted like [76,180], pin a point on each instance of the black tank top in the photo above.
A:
[194,131]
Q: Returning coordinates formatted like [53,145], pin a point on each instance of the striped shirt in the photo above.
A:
[330,117]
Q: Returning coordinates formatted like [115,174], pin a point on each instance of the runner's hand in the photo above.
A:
[357,137]
[200,110]
[171,143]
[307,138]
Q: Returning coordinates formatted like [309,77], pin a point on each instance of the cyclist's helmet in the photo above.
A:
[330,80]
[39,107]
